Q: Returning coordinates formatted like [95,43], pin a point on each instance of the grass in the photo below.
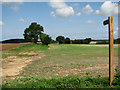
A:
[5,56]
[25,55]
[29,47]
[25,48]
[65,82]
[63,66]
[63,60]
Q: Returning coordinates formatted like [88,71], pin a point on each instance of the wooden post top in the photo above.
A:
[107,21]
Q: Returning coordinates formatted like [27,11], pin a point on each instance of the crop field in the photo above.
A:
[38,63]
[11,45]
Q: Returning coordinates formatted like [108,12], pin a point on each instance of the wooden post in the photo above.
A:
[111,43]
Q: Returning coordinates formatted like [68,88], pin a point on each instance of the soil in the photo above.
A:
[12,65]
[11,45]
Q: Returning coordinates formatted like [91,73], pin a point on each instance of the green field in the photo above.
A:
[65,65]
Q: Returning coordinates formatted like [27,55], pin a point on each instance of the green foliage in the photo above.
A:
[67,41]
[117,41]
[33,32]
[85,41]
[24,55]
[71,81]
[117,77]
[45,39]
[15,41]
[53,41]
[60,39]
[5,55]
[103,42]
[28,48]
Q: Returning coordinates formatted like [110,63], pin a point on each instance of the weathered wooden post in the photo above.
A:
[111,43]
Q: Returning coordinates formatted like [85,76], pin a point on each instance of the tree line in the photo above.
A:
[35,32]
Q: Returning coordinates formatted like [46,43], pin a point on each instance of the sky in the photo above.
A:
[76,20]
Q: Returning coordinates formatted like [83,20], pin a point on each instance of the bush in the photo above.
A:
[67,41]
[103,42]
[45,39]
[60,39]
[77,41]
[85,41]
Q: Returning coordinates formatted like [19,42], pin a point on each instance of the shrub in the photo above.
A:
[67,41]
[60,39]
[45,39]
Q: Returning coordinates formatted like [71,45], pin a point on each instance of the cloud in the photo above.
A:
[78,14]
[75,4]
[65,12]
[107,9]
[13,4]
[1,23]
[61,8]
[90,21]
[22,20]
[52,14]
[71,21]
[12,1]
[15,7]
[57,4]
[87,9]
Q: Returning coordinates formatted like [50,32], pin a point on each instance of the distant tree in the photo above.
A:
[87,40]
[60,39]
[53,41]
[45,39]
[33,32]
[67,41]
[117,41]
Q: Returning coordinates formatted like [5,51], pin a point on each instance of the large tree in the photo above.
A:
[60,39]
[33,32]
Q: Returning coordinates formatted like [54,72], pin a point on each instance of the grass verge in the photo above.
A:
[71,81]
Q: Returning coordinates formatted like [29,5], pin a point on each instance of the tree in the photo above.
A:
[45,39]
[87,40]
[60,39]
[67,40]
[33,32]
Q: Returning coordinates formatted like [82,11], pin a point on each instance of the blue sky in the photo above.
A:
[76,20]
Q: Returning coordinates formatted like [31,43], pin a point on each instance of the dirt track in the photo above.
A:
[16,64]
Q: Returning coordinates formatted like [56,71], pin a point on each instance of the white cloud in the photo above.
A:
[107,9]
[14,7]
[87,9]
[65,12]
[13,4]
[78,14]
[57,4]
[61,8]
[90,21]
[1,23]
[52,14]
[22,20]
[12,0]
[75,4]
[71,21]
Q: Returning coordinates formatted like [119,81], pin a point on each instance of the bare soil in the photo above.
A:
[11,45]
[12,65]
